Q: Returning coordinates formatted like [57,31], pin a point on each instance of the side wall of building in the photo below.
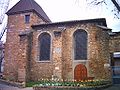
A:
[97,52]
[115,43]
[16,25]
[62,61]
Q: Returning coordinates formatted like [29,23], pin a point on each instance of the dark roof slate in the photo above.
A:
[26,6]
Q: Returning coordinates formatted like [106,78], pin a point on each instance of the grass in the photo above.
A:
[32,83]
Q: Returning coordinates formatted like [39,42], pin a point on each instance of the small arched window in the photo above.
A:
[44,44]
[80,44]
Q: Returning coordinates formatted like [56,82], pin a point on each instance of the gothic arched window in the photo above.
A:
[80,44]
[44,44]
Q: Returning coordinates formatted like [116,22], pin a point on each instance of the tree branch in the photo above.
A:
[116,5]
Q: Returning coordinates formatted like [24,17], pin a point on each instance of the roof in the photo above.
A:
[98,20]
[26,6]
[116,55]
[114,34]
[104,27]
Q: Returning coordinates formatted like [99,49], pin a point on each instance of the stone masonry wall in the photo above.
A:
[69,63]
[22,61]
[98,53]
[24,56]
[16,25]
[61,63]
[114,43]
[57,55]
[40,69]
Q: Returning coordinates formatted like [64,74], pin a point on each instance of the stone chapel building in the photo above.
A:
[36,48]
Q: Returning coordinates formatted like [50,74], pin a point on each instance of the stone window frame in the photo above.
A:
[73,54]
[27,18]
[38,50]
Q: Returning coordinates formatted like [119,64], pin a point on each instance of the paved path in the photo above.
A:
[114,87]
[6,87]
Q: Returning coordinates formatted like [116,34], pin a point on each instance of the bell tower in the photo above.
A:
[20,18]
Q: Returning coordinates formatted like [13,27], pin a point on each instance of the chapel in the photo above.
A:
[37,48]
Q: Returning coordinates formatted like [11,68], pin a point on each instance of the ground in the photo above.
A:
[7,87]
[114,87]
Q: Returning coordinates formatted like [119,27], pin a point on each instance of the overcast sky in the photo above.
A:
[66,10]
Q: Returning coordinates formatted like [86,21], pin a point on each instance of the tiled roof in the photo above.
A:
[26,6]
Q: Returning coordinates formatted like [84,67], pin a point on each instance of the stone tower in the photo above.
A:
[20,18]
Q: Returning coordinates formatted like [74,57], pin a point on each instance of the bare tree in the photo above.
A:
[1,55]
[116,4]
[3,8]
[1,60]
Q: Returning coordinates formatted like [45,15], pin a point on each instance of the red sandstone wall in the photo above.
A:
[16,25]
[98,53]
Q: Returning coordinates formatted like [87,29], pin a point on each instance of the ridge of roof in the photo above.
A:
[28,5]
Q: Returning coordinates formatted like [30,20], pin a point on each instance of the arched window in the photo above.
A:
[80,44]
[44,44]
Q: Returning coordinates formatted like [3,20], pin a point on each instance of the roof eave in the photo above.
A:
[104,27]
[46,20]
[75,21]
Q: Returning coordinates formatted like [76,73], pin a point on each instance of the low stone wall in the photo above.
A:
[60,88]
[69,88]
[11,83]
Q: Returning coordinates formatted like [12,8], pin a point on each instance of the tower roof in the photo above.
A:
[26,6]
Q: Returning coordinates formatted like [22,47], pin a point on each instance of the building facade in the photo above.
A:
[38,49]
